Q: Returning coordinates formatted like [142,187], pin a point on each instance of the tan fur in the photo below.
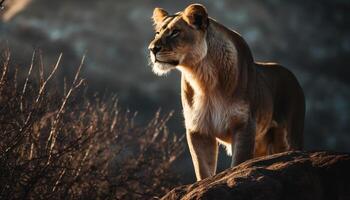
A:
[254,109]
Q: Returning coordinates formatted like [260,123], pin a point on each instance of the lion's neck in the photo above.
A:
[218,70]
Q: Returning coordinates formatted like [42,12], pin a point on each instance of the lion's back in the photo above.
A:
[284,86]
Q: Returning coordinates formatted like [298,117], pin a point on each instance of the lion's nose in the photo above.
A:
[155,49]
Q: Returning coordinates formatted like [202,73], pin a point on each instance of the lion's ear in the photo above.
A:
[158,15]
[196,15]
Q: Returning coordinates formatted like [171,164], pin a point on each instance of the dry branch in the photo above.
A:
[64,146]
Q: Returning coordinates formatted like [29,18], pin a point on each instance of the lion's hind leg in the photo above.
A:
[273,141]
[278,140]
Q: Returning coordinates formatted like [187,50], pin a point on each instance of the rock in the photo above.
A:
[290,175]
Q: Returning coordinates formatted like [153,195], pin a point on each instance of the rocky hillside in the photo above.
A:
[288,176]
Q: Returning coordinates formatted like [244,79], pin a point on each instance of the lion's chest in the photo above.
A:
[212,114]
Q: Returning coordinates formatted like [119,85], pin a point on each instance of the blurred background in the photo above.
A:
[311,38]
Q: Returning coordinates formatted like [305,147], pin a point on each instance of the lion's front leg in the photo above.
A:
[243,142]
[204,153]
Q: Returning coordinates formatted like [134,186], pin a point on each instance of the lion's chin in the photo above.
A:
[161,68]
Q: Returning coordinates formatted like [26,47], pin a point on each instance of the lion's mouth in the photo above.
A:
[171,62]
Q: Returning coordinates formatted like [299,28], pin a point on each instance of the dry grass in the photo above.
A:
[61,145]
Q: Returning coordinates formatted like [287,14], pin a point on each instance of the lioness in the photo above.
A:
[254,109]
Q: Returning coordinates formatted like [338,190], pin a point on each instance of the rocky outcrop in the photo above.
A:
[285,176]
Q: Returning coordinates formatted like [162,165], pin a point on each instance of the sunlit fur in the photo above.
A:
[193,50]
[211,112]
[160,68]
[253,109]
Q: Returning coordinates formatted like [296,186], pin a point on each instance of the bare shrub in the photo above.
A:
[65,146]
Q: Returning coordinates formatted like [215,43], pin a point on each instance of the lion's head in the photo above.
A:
[180,39]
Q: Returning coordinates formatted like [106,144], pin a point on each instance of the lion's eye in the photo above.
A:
[175,33]
[157,32]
